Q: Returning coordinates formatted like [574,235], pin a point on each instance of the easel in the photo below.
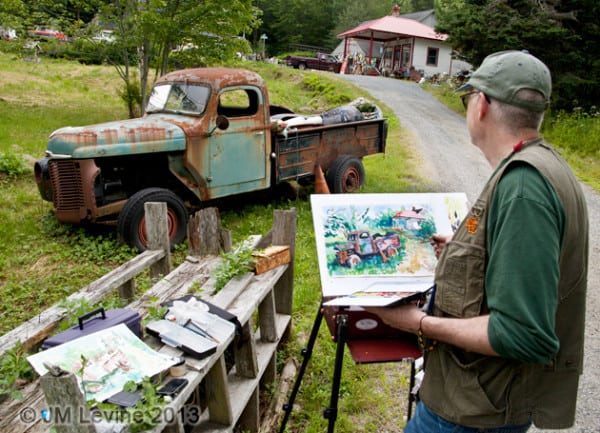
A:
[341,329]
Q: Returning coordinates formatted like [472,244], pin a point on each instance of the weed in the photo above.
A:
[13,367]
[11,164]
[235,264]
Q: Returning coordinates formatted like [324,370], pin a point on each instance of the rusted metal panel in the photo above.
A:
[216,78]
[73,186]
[154,133]
[298,154]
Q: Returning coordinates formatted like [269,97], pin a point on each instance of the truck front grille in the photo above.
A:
[65,176]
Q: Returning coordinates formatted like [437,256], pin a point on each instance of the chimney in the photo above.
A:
[396,11]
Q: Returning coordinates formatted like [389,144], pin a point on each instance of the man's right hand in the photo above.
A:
[439,241]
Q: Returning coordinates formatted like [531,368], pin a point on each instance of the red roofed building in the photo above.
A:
[401,45]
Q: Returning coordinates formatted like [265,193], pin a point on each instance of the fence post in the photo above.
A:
[205,234]
[68,409]
[157,232]
[284,233]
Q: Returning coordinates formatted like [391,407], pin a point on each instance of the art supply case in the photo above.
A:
[97,320]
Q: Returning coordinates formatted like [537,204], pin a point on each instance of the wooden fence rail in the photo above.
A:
[225,394]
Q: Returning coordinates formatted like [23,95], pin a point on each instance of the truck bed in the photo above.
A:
[304,148]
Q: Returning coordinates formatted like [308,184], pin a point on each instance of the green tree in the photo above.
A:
[563,33]
[301,22]
[149,31]
[12,13]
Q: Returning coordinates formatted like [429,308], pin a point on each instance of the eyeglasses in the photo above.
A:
[467,96]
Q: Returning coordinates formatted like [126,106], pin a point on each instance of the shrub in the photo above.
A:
[11,164]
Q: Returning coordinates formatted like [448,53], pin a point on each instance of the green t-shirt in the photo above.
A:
[525,227]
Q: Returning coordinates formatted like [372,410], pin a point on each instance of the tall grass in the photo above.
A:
[575,135]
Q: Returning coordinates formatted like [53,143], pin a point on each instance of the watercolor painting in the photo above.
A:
[380,239]
[113,357]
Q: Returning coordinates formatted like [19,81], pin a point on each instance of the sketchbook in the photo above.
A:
[380,297]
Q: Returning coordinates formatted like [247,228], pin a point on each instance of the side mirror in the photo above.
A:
[222,123]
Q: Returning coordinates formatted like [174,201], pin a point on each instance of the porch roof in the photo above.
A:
[391,27]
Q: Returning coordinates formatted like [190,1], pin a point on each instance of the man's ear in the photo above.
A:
[482,106]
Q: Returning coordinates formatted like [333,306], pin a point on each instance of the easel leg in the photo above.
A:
[411,396]
[331,412]
[306,354]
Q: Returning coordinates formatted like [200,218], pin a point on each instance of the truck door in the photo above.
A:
[238,155]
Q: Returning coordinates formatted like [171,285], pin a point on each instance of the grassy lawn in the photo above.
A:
[42,261]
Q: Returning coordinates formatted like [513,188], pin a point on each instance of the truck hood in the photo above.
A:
[152,133]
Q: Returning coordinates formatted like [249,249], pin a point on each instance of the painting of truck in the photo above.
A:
[381,241]
[362,244]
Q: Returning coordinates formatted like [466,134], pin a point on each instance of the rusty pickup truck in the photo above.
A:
[206,133]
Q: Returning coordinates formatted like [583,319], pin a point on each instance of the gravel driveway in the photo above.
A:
[452,163]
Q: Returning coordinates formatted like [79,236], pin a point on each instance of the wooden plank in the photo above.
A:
[157,232]
[11,415]
[245,352]
[250,418]
[192,272]
[266,317]
[243,388]
[246,303]
[218,395]
[66,404]
[284,233]
[204,233]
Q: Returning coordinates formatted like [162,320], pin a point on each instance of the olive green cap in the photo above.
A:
[501,75]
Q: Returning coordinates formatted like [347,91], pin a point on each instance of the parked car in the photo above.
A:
[43,32]
[322,61]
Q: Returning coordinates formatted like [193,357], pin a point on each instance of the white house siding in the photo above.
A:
[445,64]
[420,57]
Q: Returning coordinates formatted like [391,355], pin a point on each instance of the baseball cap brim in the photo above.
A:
[464,88]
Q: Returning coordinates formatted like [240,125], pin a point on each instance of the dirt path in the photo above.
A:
[452,163]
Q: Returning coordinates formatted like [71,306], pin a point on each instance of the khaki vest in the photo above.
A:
[482,391]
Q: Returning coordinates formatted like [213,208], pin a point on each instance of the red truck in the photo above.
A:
[322,61]
[362,244]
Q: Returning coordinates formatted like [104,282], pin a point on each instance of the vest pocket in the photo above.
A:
[471,380]
[460,280]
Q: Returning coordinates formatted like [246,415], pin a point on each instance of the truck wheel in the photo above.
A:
[131,225]
[346,174]
[353,261]
[302,66]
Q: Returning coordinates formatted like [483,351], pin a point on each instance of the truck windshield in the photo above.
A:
[178,98]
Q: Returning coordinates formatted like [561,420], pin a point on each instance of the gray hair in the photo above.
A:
[512,116]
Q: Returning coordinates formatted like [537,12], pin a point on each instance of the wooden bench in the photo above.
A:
[223,393]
